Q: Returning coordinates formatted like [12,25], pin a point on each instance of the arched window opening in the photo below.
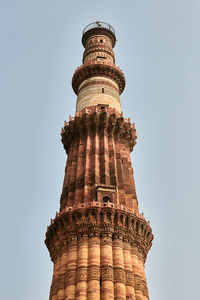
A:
[106,199]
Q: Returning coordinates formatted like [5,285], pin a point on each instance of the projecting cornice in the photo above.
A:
[94,68]
[96,120]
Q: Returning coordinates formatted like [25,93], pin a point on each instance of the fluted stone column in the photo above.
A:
[130,292]
[81,274]
[137,273]
[143,276]
[107,289]
[118,265]
[54,279]
[88,166]
[62,272]
[71,270]
[94,268]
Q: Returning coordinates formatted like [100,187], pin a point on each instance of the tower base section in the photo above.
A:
[98,253]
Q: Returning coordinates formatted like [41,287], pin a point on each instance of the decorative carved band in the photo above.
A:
[113,231]
[141,285]
[107,273]
[81,274]
[93,273]
[98,48]
[71,277]
[137,283]
[129,277]
[119,275]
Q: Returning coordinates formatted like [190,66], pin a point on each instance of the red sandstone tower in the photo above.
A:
[98,241]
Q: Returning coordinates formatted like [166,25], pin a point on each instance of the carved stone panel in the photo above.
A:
[106,273]
[119,275]
[94,273]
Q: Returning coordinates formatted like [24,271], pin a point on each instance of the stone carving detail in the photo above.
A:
[129,278]
[108,223]
[94,273]
[81,274]
[117,242]
[140,256]
[127,246]
[71,277]
[141,285]
[106,241]
[137,281]
[61,283]
[134,250]
[119,275]
[107,273]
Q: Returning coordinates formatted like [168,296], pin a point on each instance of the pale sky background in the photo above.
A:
[158,50]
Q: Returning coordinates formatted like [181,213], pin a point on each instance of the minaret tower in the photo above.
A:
[98,241]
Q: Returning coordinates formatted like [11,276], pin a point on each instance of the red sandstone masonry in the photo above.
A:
[111,139]
[98,241]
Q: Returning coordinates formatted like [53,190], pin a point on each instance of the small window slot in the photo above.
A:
[102,90]
[101,57]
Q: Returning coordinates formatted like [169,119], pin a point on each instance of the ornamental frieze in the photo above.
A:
[75,223]
[71,277]
[140,284]
[119,275]
[107,273]
[81,274]
[129,277]
[93,273]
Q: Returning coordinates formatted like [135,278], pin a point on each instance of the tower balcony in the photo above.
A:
[98,24]
[99,28]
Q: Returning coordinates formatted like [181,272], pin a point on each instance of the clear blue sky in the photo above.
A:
[158,49]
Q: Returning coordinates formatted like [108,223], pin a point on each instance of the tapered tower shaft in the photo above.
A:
[98,241]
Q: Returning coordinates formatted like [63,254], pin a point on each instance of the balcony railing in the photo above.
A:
[98,24]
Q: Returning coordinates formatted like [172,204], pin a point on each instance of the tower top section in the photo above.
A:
[98,81]
[99,28]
